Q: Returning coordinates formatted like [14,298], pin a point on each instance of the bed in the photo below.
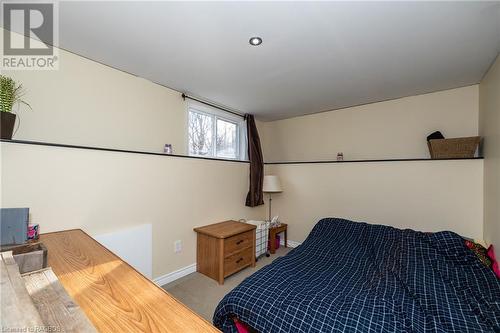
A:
[358,277]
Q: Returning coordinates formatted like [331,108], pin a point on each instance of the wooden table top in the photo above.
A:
[113,295]
[282,226]
[225,229]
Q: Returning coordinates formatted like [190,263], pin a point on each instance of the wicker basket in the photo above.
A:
[453,148]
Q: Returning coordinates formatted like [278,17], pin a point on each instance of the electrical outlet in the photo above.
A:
[177,246]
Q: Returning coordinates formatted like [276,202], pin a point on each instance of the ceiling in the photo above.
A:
[315,56]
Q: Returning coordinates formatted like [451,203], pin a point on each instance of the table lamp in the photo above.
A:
[271,185]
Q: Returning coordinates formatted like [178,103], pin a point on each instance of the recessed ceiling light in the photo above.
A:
[255,41]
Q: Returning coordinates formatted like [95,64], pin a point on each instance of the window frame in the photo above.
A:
[216,114]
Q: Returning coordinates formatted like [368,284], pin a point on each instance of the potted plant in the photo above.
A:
[11,93]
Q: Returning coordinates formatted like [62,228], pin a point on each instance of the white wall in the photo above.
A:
[103,192]
[421,195]
[427,195]
[86,103]
[490,129]
[391,129]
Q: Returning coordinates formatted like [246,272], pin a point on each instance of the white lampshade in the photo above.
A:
[271,184]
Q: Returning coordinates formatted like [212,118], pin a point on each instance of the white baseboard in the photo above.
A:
[290,243]
[172,276]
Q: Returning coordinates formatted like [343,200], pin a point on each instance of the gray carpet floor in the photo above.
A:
[202,294]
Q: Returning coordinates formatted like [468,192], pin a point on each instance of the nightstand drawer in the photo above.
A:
[237,261]
[238,242]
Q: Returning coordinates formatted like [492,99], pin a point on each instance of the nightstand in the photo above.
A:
[225,248]
[272,236]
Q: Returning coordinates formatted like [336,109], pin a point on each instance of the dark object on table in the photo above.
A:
[30,257]
[453,148]
[364,278]
[435,136]
[13,225]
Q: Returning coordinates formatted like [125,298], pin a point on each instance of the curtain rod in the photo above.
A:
[184,96]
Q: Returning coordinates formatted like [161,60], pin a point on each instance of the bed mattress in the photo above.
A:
[358,277]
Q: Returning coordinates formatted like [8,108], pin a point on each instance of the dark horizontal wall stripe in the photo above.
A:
[386,160]
[37,143]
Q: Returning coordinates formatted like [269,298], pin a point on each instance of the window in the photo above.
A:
[215,133]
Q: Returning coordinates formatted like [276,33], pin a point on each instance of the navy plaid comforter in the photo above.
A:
[357,277]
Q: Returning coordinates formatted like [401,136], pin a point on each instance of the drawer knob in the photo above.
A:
[239,242]
[238,261]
